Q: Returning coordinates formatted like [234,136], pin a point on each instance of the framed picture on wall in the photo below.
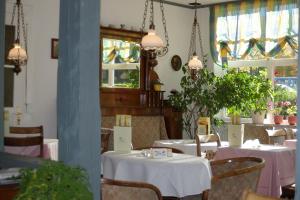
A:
[54,48]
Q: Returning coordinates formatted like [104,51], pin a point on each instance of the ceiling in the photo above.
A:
[185,3]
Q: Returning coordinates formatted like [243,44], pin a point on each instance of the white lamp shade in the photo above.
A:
[17,54]
[151,41]
[195,63]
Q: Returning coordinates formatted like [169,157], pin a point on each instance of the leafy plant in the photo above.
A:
[292,110]
[237,91]
[54,180]
[283,94]
[198,97]
[261,92]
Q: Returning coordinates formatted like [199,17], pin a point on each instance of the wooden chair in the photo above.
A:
[128,190]
[105,135]
[248,195]
[27,139]
[232,176]
[288,191]
[206,138]
[277,136]
[174,150]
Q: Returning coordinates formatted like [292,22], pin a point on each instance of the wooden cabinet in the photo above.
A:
[119,98]
[173,121]
[8,191]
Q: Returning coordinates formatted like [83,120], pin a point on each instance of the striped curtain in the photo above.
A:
[254,29]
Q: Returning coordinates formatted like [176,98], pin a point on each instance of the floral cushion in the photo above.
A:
[115,192]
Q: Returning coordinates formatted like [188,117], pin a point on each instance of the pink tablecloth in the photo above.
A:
[279,170]
[290,143]
[50,150]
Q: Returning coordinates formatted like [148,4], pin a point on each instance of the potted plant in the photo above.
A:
[198,98]
[292,118]
[261,93]
[54,180]
[237,93]
[157,85]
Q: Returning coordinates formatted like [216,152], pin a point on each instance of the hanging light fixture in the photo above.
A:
[17,54]
[151,41]
[194,63]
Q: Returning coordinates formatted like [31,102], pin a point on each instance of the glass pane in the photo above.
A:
[126,78]
[104,78]
[285,86]
[120,64]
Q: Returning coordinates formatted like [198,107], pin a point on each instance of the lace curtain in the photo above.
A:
[254,30]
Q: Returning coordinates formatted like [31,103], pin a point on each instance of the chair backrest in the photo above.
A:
[29,136]
[204,139]
[277,136]
[174,150]
[128,190]
[232,176]
[105,135]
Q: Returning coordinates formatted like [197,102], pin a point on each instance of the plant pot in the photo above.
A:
[292,120]
[235,134]
[157,87]
[258,117]
[278,119]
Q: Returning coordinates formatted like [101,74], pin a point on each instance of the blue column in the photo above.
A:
[297,196]
[78,110]
[2,42]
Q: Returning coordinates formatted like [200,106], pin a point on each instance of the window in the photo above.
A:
[258,36]
[120,64]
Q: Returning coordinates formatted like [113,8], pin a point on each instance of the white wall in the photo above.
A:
[42,17]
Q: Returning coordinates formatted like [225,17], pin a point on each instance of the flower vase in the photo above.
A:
[292,120]
[278,119]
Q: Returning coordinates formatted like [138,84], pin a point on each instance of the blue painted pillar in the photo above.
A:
[297,196]
[78,110]
[2,42]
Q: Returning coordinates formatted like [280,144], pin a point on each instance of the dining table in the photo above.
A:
[50,149]
[290,143]
[178,176]
[189,146]
[280,165]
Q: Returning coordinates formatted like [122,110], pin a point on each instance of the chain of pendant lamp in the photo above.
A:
[159,49]
[194,63]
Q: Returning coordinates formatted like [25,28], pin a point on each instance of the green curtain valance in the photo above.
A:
[267,26]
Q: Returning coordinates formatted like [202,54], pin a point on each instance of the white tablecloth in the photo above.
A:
[179,176]
[188,146]
[50,149]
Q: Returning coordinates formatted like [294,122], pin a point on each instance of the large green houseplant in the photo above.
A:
[262,93]
[54,180]
[198,97]
[236,88]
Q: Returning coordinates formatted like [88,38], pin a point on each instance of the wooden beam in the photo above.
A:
[2,43]
[78,106]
